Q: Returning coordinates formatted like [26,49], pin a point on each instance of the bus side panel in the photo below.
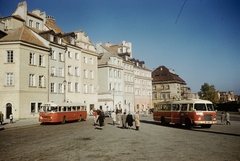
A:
[175,117]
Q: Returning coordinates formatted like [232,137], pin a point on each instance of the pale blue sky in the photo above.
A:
[203,46]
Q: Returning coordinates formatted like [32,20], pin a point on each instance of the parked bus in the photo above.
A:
[62,112]
[191,112]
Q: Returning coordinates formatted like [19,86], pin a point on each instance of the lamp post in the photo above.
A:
[113,98]
[64,84]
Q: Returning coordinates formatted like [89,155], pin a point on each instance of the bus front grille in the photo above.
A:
[208,117]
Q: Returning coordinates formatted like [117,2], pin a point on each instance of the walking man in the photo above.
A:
[227,118]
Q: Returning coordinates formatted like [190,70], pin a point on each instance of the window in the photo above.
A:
[10,56]
[41,81]
[76,87]
[37,25]
[76,71]
[85,60]
[162,96]
[110,72]
[91,61]
[61,87]
[72,40]
[33,107]
[59,40]
[85,74]
[69,54]
[53,88]
[61,57]
[85,89]
[53,71]
[91,74]
[76,56]
[69,70]
[53,54]
[41,60]
[30,23]
[9,79]
[39,106]
[91,88]
[60,72]
[31,80]
[51,38]
[69,86]
[162,86]
[32,58]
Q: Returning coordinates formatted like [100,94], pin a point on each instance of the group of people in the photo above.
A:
[118,118]
[125,120]
[225,118]
[2,118]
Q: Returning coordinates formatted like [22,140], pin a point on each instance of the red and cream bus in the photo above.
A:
[191,112]
[62,112]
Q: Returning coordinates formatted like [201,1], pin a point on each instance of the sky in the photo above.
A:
[199,39]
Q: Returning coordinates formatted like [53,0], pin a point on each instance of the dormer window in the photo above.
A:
[51,38]
[30,23]
[72,40]
[59,40]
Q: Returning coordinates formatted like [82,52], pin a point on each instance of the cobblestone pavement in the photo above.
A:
[83,141]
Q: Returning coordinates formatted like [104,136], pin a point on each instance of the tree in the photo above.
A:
[208,92]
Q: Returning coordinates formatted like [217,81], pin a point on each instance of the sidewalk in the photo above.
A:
[18,123]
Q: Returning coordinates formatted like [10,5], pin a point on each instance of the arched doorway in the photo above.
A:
[8,110]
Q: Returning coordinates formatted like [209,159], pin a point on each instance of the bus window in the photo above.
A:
[78,108]
[210,107]
[190,108]
[69,109]
[184,107]
[59,108]
[64,109]
[74,108]
[175,107]
[200,107]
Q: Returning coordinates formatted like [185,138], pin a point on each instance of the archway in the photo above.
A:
[8,110]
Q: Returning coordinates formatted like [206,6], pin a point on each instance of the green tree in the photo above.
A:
[208,92]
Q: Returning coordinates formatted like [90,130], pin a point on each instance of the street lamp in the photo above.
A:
[113,98]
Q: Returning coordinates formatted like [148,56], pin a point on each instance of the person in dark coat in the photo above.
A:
[100,119]
[129,120]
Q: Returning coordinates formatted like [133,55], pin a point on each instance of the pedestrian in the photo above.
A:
[113,116]
[95,117]
[124,120]
[119,113]
[227,118]
[101,119]
[1,117]
[11,118]
[223,118]
[137,120]
[129,120]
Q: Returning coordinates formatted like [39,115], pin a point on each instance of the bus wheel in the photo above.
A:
[63,120]
[188,124]
[163,121]
[80,118]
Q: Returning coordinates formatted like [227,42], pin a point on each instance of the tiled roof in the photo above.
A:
[22,34]
[51,25]
[163,74]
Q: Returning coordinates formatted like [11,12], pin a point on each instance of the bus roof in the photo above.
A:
[63,104]
[185,101]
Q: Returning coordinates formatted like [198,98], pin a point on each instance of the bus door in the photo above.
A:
[175,114]
[183,113]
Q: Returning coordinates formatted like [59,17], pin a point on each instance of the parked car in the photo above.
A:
[107,113]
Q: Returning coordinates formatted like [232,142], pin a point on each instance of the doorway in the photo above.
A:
[8,110]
